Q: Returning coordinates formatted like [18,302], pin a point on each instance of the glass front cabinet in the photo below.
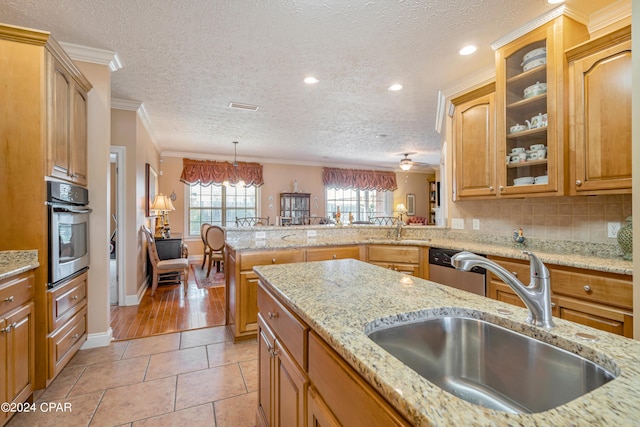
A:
[294,207]
[532,110]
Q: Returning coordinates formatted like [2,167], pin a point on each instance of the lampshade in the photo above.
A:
[162,203]
[400,208]
[405,164]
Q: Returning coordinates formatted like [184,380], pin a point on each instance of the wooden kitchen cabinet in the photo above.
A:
[333,252]
[405,259]
[242,286]
[282,381]
[17,340]
[474,146]
[516,104]
[67,322]
[67,123]
[600,120]
[601,300]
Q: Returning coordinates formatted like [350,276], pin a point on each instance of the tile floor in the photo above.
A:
[194,378]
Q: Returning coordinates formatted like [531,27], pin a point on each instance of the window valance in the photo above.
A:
[206,172]
[358,179]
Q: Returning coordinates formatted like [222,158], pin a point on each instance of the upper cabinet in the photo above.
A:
[67,119]
[600,118]
[474,157]
[531,109]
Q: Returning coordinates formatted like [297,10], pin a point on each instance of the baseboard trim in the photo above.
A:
[135,299]
[101,339]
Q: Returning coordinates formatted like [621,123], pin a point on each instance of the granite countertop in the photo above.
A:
[606,264]
[341,299]
[15,262]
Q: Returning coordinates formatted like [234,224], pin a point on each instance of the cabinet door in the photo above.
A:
[474,147]
[78,137]
[3,367]
[289,391]
[20,353]
[248,308]
[318,414]
[266,343]
[601,121]
[59,105]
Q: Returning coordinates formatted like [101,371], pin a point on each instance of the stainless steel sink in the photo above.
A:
[491,366]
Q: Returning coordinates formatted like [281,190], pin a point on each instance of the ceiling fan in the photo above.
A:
[406,163]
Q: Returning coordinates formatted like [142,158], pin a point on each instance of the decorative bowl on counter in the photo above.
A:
[525,180]
[535,90]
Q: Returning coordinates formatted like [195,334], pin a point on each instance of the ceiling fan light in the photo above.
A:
[405,164]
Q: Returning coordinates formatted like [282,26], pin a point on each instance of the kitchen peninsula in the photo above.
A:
[253,246]
[334,304]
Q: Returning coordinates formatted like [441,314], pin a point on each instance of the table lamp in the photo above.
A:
[162,205]
[401,210]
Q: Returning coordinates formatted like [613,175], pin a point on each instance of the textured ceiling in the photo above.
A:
[186,60]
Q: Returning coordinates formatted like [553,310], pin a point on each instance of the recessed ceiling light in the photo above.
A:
[555,1]
[395,87]
[311,80]
[468,50]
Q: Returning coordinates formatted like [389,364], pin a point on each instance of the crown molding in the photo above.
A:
[539,21]
[609,15]
[141,111]
[93,55]
[125,104]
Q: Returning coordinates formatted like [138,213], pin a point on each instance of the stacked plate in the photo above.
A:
[525,180]
[534,58]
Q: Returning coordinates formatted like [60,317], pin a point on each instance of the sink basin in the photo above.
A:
[490,365]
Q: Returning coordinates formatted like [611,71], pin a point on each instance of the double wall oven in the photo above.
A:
[68,231]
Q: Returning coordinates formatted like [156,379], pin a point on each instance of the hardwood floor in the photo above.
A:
[169,310]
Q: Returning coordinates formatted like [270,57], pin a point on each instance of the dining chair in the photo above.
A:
[207,250]
[383,220]
[176,265]
[251,221]
[215,241]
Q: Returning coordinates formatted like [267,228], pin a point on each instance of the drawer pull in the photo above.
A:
[553,304]
[75,336]
[587,288]
[272,315]
[515,273]
[578,183]
[273,260]
[9,327]
[9,299]
[75,297]
[335,256]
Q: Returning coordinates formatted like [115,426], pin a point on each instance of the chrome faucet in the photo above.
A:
[536,296]
[399,225]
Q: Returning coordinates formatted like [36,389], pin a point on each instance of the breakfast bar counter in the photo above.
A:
[13,263]
[342,300]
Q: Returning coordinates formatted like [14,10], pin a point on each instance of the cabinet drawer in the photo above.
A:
[520,269]
[353,401]
[593,286]
[339,252]
[64,343]
[402,254]
[597,316]
[249,260]
[65,300]
[16,291]
[288,329]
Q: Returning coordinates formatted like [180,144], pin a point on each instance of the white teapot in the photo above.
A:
[537,121]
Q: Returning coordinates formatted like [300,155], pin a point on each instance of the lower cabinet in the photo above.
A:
[67,323]
[405,259]
[597,299]
[17,340]
[303,382]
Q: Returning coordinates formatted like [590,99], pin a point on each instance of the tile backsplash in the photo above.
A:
[577,218]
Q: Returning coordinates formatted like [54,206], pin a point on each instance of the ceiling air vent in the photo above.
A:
[240,106]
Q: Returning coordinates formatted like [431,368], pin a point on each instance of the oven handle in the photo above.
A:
[72,210]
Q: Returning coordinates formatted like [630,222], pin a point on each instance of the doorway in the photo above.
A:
[117,295]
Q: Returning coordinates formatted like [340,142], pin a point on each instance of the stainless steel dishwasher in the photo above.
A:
[441,271]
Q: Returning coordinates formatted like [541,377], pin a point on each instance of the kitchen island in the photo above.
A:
[340,300]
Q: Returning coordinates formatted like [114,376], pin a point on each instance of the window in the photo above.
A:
[361,203]
[220,205]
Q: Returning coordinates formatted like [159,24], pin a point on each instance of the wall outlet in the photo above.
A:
[476,224]
[457,223]
[311,233]
[612,229]
[261,235]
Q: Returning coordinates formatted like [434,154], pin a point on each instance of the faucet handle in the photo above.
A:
[538,269]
